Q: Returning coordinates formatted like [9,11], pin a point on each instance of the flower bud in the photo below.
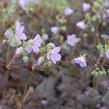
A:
[25,59]
[40,60]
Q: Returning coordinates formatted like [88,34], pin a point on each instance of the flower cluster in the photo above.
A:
[39,45]
[34,44]
[16,37]
[93,15]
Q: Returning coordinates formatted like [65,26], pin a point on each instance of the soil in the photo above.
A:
[24,89]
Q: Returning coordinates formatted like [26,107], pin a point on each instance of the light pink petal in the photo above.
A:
[55,30]
[85,7]
[53,59]
[37,37]
[22,36]
[83,64]
[81,61]
[56,50]
[36,50]
[37,40]
[81,25]
[18,27]
[72,39]
[23,4]
[57,57]
[68,11]
[19,30]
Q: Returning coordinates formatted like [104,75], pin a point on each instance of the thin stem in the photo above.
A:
[104,53]
[97,38]
[11,62]
[98,61]
[7,54]
[30,90]
[103,61]
[91,61]
[97,83]
[7,13]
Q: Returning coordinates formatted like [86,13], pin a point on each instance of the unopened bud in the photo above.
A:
[40,60]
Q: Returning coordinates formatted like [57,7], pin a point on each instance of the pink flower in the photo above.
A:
[20,31]
[68,11]
[81,61]
[34,44]
[72,40]
[25,3]
[55,30]
[44,102]
[81,25]
[16,38]
[54,55]
[85,7]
